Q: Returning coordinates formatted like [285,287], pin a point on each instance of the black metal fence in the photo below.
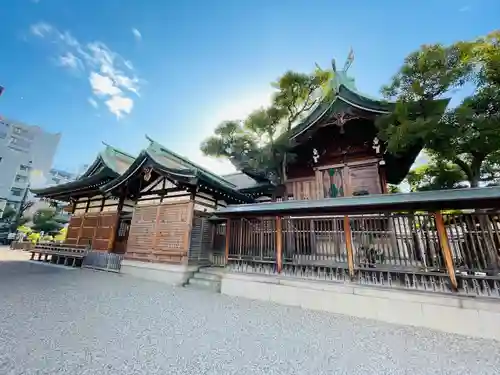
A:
[103,261]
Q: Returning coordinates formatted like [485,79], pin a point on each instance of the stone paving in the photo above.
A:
[58,321]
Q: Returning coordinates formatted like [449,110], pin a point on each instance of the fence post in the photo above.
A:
[445,249]
[228,238]
[279,244]
[348,245]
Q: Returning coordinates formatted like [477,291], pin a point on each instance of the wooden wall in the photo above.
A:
[160,233]
[351,177]
[97,229]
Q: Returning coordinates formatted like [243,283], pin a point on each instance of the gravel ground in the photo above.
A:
[57,321]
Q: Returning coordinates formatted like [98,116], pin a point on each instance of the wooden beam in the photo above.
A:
[155,234]
[445,249]
[383,179]
[348,244]
[228,238]
[116,228]
[279,244]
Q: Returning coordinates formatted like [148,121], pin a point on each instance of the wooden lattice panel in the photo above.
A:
[73,230]
[94,229]
[105,231]
[160,233]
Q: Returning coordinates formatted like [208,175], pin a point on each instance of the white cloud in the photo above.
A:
[137,34]
[41,29]
[112,78]
[120,105]
[103,85]
[92,102]
[69,60]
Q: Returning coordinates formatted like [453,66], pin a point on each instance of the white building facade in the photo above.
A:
[26,156]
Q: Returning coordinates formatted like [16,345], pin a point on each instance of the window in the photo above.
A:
[16,192]
[20,178]
[19,142]
[24,167]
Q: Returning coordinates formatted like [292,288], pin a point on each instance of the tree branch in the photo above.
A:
[464,166]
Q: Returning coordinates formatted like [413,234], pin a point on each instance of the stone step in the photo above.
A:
[204,284]
[212,270]
[207,276]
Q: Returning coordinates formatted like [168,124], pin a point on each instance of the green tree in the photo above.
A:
[260,142]
[436,175]
[394,189]
[467,135]
[16,218]
[8,214]
[296,95]
[47,220]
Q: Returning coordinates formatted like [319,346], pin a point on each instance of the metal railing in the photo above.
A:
[103,261]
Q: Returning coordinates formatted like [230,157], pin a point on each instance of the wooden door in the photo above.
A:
[122,236]
[332,183]
[364,179]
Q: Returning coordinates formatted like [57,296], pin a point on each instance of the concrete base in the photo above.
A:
[206,278]
[453,314]
[172,274]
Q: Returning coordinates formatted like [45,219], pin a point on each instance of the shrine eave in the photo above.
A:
[83,187]
[350,98]
[430,200]
[160,152]
[176,173]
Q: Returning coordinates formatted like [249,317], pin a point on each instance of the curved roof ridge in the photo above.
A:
[183,160]
[117,150]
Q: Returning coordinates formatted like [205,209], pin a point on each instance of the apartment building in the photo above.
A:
[57,177]
[26,156]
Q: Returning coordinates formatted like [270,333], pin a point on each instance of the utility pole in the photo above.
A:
[20,210]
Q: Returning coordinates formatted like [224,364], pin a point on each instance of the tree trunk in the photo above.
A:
[474,181]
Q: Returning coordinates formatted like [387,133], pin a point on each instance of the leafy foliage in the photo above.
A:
[8,214]
[260,143]
[468,135]
[437,175]
[16,218]
[394,189]
[47,221]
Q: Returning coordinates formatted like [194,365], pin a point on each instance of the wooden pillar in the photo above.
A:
[279,244]
[228,238]
[383,179]
[116,228]
[445,249]
[348,245]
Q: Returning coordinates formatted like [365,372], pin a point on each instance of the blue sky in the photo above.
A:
[115,70]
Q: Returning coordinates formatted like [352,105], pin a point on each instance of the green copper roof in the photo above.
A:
[340,94]
[115,160]
[109,164]
[428,200]
[175,168]
[170,159]
[119,161]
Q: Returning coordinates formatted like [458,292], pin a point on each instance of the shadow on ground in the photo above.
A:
[12,269]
